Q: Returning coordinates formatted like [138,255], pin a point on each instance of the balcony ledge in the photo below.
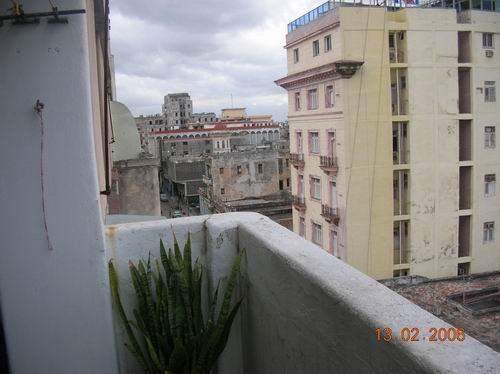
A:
[304,310]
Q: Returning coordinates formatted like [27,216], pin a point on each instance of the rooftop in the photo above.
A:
[479,315]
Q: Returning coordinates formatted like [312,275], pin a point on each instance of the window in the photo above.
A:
[313,142]
[315,48]
[295,55]
[315,188]
[238,169]
[489,137]
[288,182]
[184,143]
[328,43]
[489,92]
[312,99]
[221,170]
[334,245]
[487,40]
[218,144]
[329,96]
[488,231]
[297,101]
[302,226]
[222,191]
[259,168]
[299,142]
[281,185]
[316,234]
[489,185]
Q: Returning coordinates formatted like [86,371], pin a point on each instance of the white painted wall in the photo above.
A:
[304,311]
[127,144]
[55,303]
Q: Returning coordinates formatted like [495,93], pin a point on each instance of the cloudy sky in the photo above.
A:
[210,49]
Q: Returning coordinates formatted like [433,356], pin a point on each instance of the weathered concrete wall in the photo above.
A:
[138,190]
[249,182]
[54,295]
[287,283]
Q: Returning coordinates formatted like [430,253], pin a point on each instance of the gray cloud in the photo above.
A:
[211,49]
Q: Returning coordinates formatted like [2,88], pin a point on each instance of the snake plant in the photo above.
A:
[169,333]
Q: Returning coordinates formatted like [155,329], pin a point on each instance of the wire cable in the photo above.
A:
[39,110]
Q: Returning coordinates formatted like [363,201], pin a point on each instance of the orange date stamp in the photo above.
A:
[413,334]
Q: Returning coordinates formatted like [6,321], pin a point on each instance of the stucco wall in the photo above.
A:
[287,283]
[55,302]
[138,187]
[250,182]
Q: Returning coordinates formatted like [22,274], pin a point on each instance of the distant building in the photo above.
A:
[202,118]
[209,138]
[183,176]
[150,124]
[177,108]
[253,179]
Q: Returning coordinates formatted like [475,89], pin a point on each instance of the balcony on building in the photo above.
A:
[465,185]
[299,202]
[303,311]
[297,160]
[464,90]
[329,164]
[464,47]
[399,91]
[464,235]
[400,143]
[401,242]
[330,214]
[397,47]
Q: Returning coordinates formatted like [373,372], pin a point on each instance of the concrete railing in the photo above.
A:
[304,310]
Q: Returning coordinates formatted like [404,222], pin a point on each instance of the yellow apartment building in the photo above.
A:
[393,116]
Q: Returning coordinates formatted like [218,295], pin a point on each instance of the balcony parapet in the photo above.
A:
[330,214]
[299,202]
[297,160]
[329,164]
[283,274]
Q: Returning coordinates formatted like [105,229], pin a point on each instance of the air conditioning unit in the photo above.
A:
[488,53]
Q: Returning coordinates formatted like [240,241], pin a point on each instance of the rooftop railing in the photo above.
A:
[311,16]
